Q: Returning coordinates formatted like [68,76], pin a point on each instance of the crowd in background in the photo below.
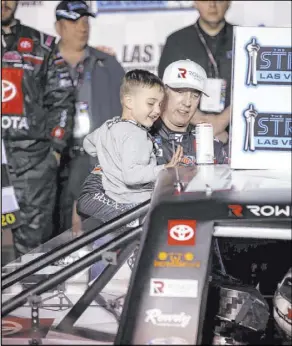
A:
[66,89]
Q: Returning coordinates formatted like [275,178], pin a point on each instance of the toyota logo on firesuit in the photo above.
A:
[8,91]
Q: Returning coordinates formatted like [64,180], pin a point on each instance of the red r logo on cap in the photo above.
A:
[182,73]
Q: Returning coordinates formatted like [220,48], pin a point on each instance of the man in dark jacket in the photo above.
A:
[37,111]
[97,77]
[172,129]
[207,42]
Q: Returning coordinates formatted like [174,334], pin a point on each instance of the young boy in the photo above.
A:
[126,150]
[123,145]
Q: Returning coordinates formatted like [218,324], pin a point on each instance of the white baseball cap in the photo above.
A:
[185,74]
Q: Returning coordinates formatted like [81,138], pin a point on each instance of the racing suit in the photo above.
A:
[37,115]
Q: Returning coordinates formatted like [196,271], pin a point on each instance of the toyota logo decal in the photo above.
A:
[181,232]
[8,91]
[25,44]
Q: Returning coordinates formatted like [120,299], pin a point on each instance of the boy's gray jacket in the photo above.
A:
[126,155]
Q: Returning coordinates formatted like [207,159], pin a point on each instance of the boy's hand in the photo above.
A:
[176,158]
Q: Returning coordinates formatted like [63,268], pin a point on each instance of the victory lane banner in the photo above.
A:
[125,6]
[268,65]
[267,131]
[261,101]
[10,214]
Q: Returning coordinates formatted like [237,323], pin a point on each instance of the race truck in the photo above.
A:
[211,264]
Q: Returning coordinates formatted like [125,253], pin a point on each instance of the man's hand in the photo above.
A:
[218,121]
[201,117]
[223,137]
[107,50]
[57,156]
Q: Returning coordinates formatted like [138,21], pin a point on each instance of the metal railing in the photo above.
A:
[128,236]
[74,245]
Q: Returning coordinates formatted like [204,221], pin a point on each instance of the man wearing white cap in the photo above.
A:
[184,82]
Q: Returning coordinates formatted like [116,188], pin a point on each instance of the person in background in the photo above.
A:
[97,77]
[37,115]
[208,42]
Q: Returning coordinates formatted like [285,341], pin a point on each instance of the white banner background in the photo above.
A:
[271,99]
[138,36]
